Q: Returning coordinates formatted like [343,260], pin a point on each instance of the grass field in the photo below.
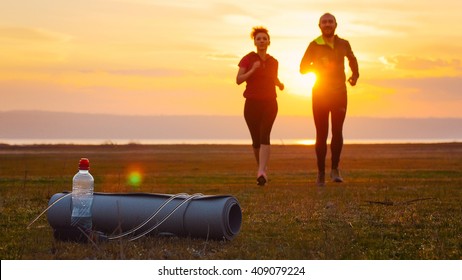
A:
[399,201]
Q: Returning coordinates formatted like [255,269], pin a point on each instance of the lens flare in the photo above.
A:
[134,179]
[301,84]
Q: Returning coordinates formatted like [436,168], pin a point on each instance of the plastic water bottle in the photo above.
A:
[82,196]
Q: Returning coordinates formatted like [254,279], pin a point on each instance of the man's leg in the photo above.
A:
[321,121]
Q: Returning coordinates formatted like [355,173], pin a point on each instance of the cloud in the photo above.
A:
[426,89]
[222,56]
[159,72]
[31,34]
[405,62]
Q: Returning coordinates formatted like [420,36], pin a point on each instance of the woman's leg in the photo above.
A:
[269,113]
[264,156]
[256,153]
[252,119]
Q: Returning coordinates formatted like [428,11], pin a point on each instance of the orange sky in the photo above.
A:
[159,57]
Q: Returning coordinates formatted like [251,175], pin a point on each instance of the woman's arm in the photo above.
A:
[242,75]
[279,84]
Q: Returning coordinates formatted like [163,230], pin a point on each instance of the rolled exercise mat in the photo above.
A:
[205,216]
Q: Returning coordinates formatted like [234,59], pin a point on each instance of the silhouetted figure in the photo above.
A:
[260,72]
[325,57]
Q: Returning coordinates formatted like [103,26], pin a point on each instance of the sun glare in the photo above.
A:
[306,142]
[301,84]
[295,83]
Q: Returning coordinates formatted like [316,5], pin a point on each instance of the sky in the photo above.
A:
[179,57]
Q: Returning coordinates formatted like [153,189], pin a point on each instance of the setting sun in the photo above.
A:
[300,84]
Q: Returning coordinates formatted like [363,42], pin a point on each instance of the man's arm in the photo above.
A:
[353,63]
[306,65]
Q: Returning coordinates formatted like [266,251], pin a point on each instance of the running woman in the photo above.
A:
[260,72]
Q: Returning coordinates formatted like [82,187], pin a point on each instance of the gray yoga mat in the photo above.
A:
[204,216]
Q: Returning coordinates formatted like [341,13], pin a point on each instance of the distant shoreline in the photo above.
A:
[34,127]
[57,147]
[124,142]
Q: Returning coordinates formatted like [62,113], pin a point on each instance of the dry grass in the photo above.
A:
[398,201]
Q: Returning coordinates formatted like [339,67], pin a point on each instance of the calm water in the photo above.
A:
[210,141]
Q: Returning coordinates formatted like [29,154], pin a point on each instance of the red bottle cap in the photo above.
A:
[84,164]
